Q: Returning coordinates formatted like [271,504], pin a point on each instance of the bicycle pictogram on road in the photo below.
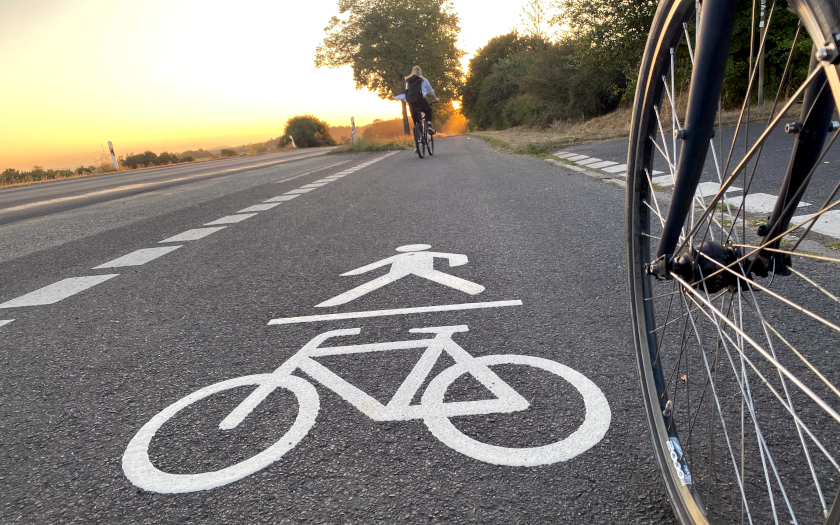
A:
[432,410]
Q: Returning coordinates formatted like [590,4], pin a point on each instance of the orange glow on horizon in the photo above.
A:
[176,74]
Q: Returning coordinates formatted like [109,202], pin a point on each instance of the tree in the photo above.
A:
[381,40]
[227,152]
[481,66]
[308,132]
[536,20]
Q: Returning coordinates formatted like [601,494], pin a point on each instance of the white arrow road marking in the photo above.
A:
[138,257]
[396,311]
[231,219]
[57,291]
[5,322]
[259,207]
[193,235]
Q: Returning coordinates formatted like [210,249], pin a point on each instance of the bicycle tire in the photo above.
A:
[139,469]
[590,432]
[418,140]
[689,422]
[431,145]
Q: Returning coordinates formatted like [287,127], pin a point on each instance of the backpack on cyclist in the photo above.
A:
[413,89]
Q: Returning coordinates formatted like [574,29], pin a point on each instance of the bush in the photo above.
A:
[227,152]
[187,158]
[256,149]
[145,159]
[166,158]
[307,131]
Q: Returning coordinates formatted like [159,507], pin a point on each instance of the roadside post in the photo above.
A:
[293,141]
[113,157]
[353,130]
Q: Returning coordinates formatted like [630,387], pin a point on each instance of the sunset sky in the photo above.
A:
[177,74]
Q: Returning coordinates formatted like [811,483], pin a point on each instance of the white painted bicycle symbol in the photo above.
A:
[432,409]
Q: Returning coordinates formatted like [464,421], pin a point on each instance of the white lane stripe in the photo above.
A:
[827,224]
[665,180]
[757,202]
[615,169]
[314,185]
[657,172]
[57,291]
[575,158]
[299,190]
[564,154]
[193,235]
[602,164]
[587,162]
[230,219]
[398,311]
[282,198]
[138,257]
[259,207]
[287,179]
[6,321]
[710,189]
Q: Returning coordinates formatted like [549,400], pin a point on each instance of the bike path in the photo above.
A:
[86,373]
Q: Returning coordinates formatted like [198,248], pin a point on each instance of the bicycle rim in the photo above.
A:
[740,383]
[431,147]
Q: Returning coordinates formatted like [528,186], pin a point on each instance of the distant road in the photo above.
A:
[23,202]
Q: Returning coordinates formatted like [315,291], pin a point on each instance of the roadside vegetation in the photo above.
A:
[307,132]
[570,61]
[375,145]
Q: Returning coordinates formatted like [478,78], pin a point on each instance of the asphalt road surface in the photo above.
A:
[395,340]
[35,200]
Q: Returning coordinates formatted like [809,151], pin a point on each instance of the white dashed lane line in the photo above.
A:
[259,207]
[193,235]
[57,291]
[282,198]
[73,285]
[828,224]
[138,257]
[4,322]
[231,219]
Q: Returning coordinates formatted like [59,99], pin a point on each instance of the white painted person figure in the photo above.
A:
[412,260]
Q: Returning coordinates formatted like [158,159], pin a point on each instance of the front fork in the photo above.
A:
[712,50]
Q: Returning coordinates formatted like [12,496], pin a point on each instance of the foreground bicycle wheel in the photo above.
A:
[431,144]
[418,140]
[737,336]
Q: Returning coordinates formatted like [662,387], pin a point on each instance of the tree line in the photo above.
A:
[577,59]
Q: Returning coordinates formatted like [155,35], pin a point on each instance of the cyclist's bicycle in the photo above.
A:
[433,410]
[423,139]
[732,282]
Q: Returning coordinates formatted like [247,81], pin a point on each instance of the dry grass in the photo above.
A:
[615,125]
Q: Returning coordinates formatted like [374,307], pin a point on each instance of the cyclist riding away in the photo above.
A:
[416,89]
